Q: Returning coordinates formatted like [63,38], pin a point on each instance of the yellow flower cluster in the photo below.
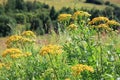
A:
[51,49]
[6,65]
[2,65]
[15,53]
[28,34]
[20,55]
[64,17]
[104,23]
[27,37]
[80,14]
[98,20]
[72,27]
[14,38]
[103,27]
[112,23]
[26,40]
[77,69]
[11,51]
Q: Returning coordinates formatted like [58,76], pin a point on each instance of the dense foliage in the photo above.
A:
[85,50]
[41,18]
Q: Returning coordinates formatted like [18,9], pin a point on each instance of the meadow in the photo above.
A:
[41,42]
[83,49]
[58,4]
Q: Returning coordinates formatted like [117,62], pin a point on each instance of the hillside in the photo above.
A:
[71,3]
[74,3]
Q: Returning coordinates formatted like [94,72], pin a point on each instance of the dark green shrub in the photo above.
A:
[37,25]
[53,14]
[37,5]
[107,3]
[46,21]
[5,29]
[66,10]
[99,2]
[20,5]
[10,5]
[108,12]
[46,6]
[29,17]
[20,18]
[29,6]
[1,9]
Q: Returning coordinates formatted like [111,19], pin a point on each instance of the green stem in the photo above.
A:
[55,72]
[101,53]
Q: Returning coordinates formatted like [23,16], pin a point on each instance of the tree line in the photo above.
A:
[40,17]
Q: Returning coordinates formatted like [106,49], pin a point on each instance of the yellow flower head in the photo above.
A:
[51,49]
[28,34]
[98,20]
[64,17]
[18,41]
[112,23]
[80,14]
[11,51]
[104,27]
[72,27]
[17,55]
[26,40]
[13,39]
[77,69]
[2,65]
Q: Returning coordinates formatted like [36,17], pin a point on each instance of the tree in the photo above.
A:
[53,13]
[37,25]
[10,5]
[20,5]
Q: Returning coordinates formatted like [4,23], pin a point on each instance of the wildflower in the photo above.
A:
[98,20]
[64,17]
[2,65]
[26,40]
[80,14]
[77,69]
[11,51]
[72,27]
[113,23]
[18,41]
[28,34]
[13,40]
[104,27]
[51,49]
[20,55]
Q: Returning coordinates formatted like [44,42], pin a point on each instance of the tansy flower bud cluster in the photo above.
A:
[77,69]
[51,49]
[64,17]
[15,53]
[78,14]
[72,27]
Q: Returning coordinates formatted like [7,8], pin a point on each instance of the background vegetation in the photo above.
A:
[40,17]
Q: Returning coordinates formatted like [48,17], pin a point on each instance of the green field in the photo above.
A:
[71,3]
[74,3]
[39,45]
